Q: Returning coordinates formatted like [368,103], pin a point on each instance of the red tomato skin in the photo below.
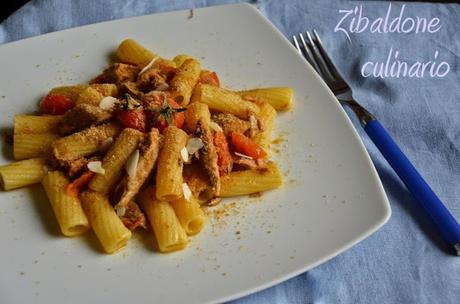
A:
[161,124]
[210,78]
[135,119]
[56,104]
[224,158]
[245,145]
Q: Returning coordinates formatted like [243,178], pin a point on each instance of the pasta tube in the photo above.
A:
[179,59]
[196,111]
[68,210]
[106,224]
[129,51]
[168,231]
[267,115]
[251,181]
[278,97]
[162,62]
[33,135]
[190,215]
[106,89]
[71,92]
[85,142]
[115,159]
[90,96]
[22,173]
[32,145]
[34,124]
[169,169]
[184,81]
[223,100]
[87,95]
[198,181]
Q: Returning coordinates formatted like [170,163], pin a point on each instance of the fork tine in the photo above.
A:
[326,58]
[297,46]
[309,55]
[322,64]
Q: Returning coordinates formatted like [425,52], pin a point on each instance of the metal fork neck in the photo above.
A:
[363,115]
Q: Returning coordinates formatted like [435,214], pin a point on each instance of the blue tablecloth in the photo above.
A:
[405,261]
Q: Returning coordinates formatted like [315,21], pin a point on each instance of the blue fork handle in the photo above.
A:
[432,205]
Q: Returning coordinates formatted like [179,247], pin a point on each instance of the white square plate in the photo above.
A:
[332,197]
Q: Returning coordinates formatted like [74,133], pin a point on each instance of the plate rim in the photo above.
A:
[386,210]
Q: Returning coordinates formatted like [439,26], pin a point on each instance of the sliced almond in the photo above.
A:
[215,127]
[120,210]
[186,191]
[243,155]
[184,154]
[96,167]
[149,65]
[131,164]
[193,145]
[108,103]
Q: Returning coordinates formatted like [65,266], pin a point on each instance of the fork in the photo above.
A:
[315,53]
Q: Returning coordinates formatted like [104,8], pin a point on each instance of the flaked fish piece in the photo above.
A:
[82,116]
[230,123]
[68,153]
[256,126]
[152,79]
[148,154]
[208,154]
[131,88]
[118,73]
[73,168]
[133,216]
[248,163]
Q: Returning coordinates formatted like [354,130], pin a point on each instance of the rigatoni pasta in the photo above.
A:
[170,164]
[251,181]
[189,213]
[36,124]
[195,112]
[90,96]
[33,135]
[281,98]
[105,223]
[130,51]
[179,59]
[106,89]
[32,145]
[22,173]
[72,92]
[184,81]
[168,231]
[150,141]
[115,159]
[223,100]
[85,142]
[67,208]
